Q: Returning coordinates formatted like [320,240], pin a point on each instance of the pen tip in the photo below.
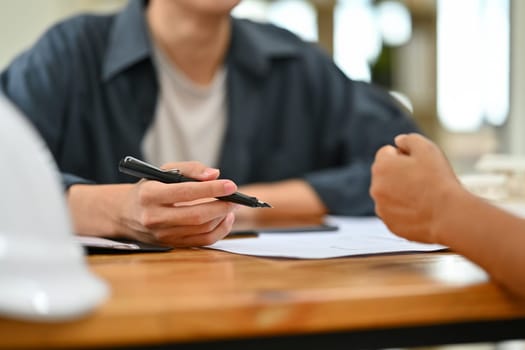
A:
[264,205]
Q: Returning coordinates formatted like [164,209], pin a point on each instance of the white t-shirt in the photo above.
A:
[190,119]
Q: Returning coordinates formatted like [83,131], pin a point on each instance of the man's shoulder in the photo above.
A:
[269,29]
[277,42]
[80,29]
[72,47]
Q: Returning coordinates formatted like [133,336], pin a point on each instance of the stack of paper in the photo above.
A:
[356,236]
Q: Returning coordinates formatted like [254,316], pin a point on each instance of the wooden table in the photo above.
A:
[199,298]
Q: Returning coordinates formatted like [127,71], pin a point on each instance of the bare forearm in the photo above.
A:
[94,209]
[488,236]
[290,198]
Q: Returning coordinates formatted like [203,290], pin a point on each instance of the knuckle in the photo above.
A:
[383,151]
[373,191]
[226,225]
[393,227]
[376,191]
[144,195]
[375,168]
[210,226]
[160,237]
[378,210]
[196,217]
[232,221]
[146,219]
[208,239]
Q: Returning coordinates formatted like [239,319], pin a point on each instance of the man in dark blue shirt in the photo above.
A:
[298,133]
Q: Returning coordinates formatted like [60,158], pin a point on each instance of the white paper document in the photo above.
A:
[356,236]
[98,242]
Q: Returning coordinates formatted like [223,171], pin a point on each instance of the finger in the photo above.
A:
[170,234]
[182,232]
[386,152]
[220,230]
[378,210]
[169,217]
[195,170]
[205,238]
[153,192]
[198,171]
[387,159]
[144,235]
[381,157]
[412,144]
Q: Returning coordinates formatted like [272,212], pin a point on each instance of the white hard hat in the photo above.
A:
[43,273]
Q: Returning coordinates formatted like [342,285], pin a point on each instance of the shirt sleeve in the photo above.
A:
[359,118]
[38,82]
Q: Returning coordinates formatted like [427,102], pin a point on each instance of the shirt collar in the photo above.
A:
[129,40]
[251,48]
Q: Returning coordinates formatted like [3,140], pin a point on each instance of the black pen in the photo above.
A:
[140,169]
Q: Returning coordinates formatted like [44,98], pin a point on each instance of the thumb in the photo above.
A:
[194,170]
[411,143]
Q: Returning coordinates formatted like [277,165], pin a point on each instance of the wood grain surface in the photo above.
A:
[200,294]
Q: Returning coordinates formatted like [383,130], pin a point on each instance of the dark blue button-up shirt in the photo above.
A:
[89,86]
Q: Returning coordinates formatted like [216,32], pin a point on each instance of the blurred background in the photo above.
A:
[458,65]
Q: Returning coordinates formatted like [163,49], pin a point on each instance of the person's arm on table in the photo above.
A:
[154,212]
[419,197]
[44,83]
[293,198]
[357,119]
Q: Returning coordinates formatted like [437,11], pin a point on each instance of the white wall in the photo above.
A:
[515,128]
[23,21]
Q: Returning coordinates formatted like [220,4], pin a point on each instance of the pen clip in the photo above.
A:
[135,167]
[172,171]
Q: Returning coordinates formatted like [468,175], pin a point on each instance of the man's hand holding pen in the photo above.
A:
[138,168]
[180,214]
[189,207]
[177,207]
